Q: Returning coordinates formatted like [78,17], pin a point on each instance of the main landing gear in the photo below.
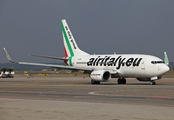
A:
[121,81]
[95,82]
[152,82]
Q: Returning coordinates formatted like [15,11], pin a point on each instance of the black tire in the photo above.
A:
[95,82]
[152,82]
[92,82]
[119,81]
[123,81]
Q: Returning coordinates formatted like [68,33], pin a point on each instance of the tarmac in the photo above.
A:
[73,97]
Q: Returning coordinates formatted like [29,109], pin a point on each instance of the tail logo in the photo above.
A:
[73,44]
[70,37]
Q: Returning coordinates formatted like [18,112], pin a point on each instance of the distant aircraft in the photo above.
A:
[102,68]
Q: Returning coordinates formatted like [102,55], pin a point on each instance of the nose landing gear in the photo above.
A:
[152,82]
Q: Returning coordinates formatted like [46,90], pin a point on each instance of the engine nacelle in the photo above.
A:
[100,75]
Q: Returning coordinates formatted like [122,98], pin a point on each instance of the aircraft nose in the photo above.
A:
[165,68]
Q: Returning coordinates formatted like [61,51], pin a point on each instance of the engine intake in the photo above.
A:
[101,75]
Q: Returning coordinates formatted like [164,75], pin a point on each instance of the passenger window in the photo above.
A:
[153,62]
[156,62]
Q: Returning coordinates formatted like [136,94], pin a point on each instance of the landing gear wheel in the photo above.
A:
[95,82]
[152,82]
[92,82]
[121,81]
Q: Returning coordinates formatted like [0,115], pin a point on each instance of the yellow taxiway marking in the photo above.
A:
[36,83]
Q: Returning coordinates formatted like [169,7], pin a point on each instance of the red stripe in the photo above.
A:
[66,55]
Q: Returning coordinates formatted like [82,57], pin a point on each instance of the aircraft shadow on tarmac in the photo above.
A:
[141,83]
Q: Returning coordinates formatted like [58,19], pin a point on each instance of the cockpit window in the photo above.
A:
[157,62]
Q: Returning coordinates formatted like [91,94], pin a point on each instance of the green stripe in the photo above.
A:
[70,61]
[68,44]
[67,41]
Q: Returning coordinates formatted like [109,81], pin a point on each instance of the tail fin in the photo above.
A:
[71,48]
[166,60]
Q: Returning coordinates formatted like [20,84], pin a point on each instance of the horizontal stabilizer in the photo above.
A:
[49,57]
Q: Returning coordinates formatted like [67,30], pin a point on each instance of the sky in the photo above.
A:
[98,26]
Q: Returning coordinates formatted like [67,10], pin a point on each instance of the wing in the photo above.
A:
[48,65]
[87,70]
[56,66]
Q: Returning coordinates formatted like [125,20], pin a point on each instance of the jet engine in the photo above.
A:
[100,75]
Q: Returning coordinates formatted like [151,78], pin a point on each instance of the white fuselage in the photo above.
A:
[128,65]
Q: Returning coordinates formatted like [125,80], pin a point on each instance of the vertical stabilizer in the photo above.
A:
[71,48]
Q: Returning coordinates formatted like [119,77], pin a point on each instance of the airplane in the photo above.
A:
[101,68]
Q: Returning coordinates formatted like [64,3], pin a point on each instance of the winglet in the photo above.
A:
[166,60]
[8,56]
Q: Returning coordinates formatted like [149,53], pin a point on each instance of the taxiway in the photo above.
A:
[75,98]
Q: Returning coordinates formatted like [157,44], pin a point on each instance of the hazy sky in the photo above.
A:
[98,26]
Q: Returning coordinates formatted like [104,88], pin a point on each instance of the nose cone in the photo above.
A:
[164,69]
